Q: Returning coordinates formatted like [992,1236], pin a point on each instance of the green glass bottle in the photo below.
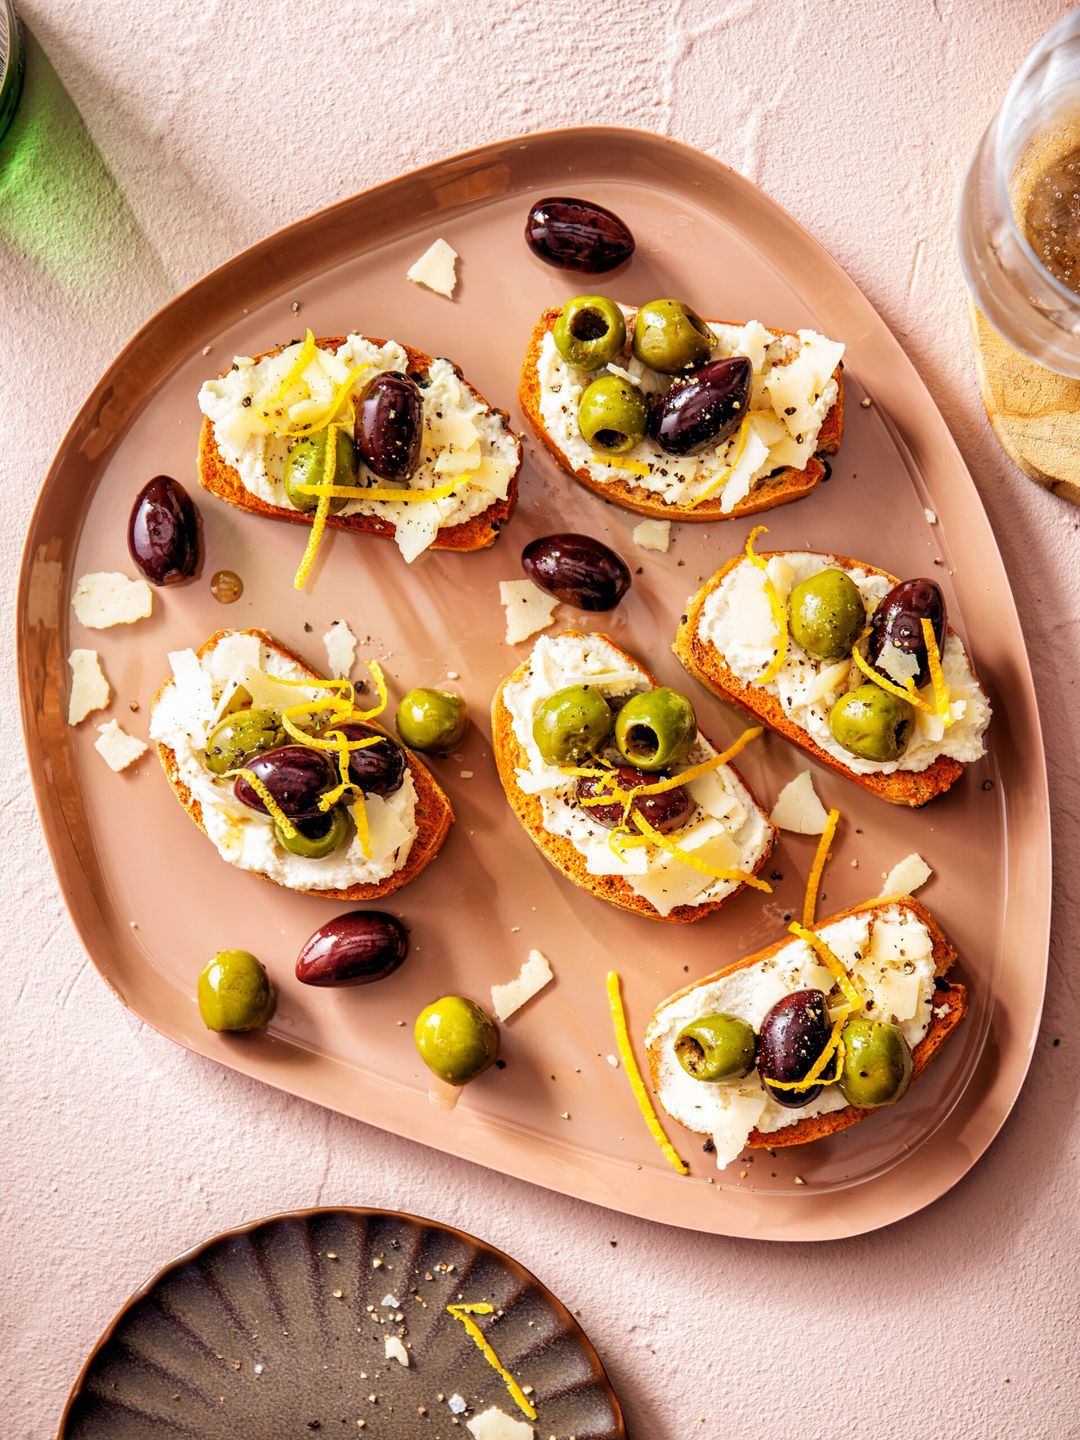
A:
[11,64]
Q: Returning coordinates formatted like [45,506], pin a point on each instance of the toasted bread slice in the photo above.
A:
[779,488]
[705,663]
[950,998]
[434,814]
[509,757]
[477,533]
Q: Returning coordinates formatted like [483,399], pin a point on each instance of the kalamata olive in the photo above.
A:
[898,621]
[390,425]
[294,775]
[577,235]
[377,769]
[704,409]
[664,812]
[577,569]
[163,532]
[792,1036]
[353,949]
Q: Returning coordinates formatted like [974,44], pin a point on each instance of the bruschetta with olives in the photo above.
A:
[680,418]
[418,456]
[618,788]
[859,669]
[289,776]
[810,1035]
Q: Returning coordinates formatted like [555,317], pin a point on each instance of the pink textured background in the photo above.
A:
[176,133]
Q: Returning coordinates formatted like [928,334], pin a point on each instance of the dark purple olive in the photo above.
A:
[390,425]
[377,769]
[576,235]
[295,776]
[792,1036]
[578,570]
[898,621]
[664,812]
[354,949]
[163,532]
[705,408]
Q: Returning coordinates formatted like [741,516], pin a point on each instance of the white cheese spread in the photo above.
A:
[794,388]
[726,830]
[187,708]
[462,438]
[736,619]
[889,955]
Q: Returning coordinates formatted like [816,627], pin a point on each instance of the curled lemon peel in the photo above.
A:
[273,809]
[463,1313]
[270,411]
[608,779]
[382,492]
[633,1075]
[813,880]
[937,675]
[651,836]
[722,479]
[906,691]
[322,510]
[776,608]
[360,817]
[853,1002]
[833,963]
[635,467]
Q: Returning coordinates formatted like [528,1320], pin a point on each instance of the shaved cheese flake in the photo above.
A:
[507,999]
[830,680]
[340,645]
[395,1350]
[194,693]
[117,748]
[798,808]
[89,688]
[907,875]
[739,1115]
[899,940]
[436,269]
[653,535]
[528,609]
[495,1424]
[106,598]
[233,655]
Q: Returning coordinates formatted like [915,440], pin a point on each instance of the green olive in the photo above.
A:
[306,465]
[239,737]
[612,415]
[871,723]
[877,1063]
[432,720]
[827,614]
[234,992]
[656,729]
[716,1047]
[671,338]
[456,1039]
[318,837]
[590,331]
[572,724]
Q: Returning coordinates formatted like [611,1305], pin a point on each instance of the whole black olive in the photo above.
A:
[294,775]
[579,570]
[898,621]
[704,409]
[389,425]
[577,235]
[664,812]
[792,1036]
[163,532]
[377,769]
[353,949]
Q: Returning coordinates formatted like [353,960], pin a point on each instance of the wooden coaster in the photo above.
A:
[1034,411]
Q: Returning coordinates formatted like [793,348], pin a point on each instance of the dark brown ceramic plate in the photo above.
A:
[278,1330]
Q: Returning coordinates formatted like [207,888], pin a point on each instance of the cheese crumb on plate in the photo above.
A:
[395,1350]
[105,598]
[340,645]
[507,999]
[798,808]
[907,875]
[528,609]
[117,748]
[435,269]
[89,688]
[653,535]
[494,1424]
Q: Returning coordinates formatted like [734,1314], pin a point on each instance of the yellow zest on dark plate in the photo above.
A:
[464,1312]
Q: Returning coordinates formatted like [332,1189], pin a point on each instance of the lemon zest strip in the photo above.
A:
[937,675]
[832,962]
[608,778]
[382,492]
[651,836]
[273,809]
[722,479]
[633,1074]
[779,614]
[813,880]
[635,467]
[304,356]
[291,430]
[464,1313]
[853,1002]
[363,831]
[322,510]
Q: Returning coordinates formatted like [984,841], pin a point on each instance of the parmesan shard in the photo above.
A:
[495,1424]
[798,808]
[907,875]
[117,748]
[653,535]
[105,598]
[528,609]
[340,645]
[436,269]
[89,688]
[395,1350]
[507,999]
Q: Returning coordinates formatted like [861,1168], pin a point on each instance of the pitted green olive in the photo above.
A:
[305,464]
[656,729]
[612,415]
[433,721]
[716,1047]
[877,1063]
[239,737]
[590,331]
[457,1040]
[572,724]
[827,614]
[318,837]
[670,337]
[234,992]
[871,723]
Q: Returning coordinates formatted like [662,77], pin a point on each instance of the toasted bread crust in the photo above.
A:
[950,997]
[704,662]
[557,849]
[434,814]
[477,533]
[778,489]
